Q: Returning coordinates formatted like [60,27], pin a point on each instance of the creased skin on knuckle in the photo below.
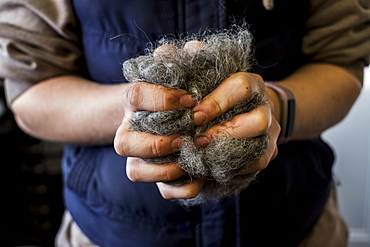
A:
[214,109]
[259,80]
[262,123]
[133,95]
[221,55]
[157,148]
[132,173]
[169,100]
[118,147]
[168,174]
[165,175]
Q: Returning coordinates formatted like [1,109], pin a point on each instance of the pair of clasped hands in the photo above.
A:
[150,97]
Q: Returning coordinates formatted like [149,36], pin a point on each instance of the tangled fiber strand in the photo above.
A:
[199,71]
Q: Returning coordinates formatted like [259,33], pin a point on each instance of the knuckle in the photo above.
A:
[261,163]
[241,82]
[133,173]
[119,147]
[157,148]
[169,174]
[193,46]
[262,122]
[165,174]
[167,195]
[244,80]
[215,108]
[165,52]
[250,80]
[152,97]
[247,83]
[133,95]
[165,190]
[170,98]
[166,102]
[257,78]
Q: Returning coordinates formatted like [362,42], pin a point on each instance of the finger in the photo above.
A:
[152,97]
[138,170]
[271,151]
[193,47]
[236,88]
[165,53]
[186,191]
[144,145]
[246,125]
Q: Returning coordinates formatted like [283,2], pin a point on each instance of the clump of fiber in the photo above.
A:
[199,71]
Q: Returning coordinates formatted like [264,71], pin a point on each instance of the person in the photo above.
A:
[61,66]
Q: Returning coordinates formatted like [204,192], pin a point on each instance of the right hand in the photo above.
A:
[136,145]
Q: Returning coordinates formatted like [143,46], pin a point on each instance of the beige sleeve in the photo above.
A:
[338,32]
[37,42]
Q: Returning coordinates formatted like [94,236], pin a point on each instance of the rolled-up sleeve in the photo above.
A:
[37,42]
[338,32]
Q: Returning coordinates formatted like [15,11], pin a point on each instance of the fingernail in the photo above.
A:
[187,101]
[199,117]
[202,141]
[177,143]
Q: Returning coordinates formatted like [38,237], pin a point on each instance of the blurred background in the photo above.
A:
[351,141]
[30,186]
[30,178]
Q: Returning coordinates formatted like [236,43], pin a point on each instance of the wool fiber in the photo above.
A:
[199,70]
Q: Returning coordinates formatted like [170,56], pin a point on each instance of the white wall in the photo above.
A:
[351,141]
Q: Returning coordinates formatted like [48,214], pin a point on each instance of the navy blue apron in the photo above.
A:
[278,210]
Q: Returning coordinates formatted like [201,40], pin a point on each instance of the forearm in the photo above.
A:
[70,109]
[324,95]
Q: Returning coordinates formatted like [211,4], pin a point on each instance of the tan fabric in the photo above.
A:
[70,235]
[329,231]
[338,32]
[37,39]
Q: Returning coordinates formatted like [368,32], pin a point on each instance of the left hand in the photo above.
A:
[261,120]
[234,89]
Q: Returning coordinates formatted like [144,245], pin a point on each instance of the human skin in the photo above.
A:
[71,109]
